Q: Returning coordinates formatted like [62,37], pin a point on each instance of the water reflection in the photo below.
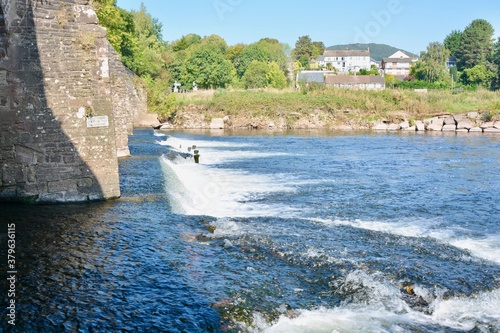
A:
[104,267]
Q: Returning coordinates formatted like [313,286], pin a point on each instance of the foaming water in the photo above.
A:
[376,306]
[156,133]
[485,246]
[201,190]
[217,152]
[466,313]
[288,232]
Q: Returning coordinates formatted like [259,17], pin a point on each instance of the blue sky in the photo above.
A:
[406,24]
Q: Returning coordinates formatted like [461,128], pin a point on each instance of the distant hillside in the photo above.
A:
[377,51]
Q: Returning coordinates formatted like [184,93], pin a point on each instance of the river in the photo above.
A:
[271,232]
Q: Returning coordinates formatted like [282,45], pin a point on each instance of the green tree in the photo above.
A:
[216,42]
[452,42]
[177,65]
[234,51]
[147,58]
[256,75]
[476,45]
[495,59]
[478,75]
[185,42]
[306,49]
[432,64]
[207,66]
[253,52]
[390,80]
[266,50]
[318,48]
[275,76]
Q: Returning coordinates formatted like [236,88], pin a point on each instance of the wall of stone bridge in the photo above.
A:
[66,108]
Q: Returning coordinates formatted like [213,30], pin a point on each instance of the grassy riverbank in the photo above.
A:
[326,107]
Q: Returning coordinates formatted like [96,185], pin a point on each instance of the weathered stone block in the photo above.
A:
[488,124]
[62,186]
[420,126]
[465,124]
[393,127]
[472,115]
[449,121]
[438,121]
[217,123]
[449,128]
[380,127]
[404,125]
[435,127]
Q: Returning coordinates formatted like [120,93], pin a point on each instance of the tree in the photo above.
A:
[185,42]
[476,44]
[318,48]
[390,80]
[207,66]
[306,49]
[234,51]
[256,75]
[147,58]
[275,76]
[452,42]
[477,75]
[216,42]
[495,59]
[253,52]
[432,64]
[265,50]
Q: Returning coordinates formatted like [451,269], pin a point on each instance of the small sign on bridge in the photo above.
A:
[99,121]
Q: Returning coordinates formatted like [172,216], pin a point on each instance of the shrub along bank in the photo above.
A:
[324,107]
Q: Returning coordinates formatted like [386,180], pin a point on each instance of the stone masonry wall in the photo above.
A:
[129,101]
[57,123]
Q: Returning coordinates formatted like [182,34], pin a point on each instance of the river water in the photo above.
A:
[289,232]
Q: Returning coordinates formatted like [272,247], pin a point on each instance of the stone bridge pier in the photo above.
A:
[67,104]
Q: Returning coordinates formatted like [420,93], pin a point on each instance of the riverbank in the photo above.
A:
[337,109]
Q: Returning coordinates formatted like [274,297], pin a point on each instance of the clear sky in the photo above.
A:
[406,24]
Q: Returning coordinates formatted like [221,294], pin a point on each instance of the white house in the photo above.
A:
[398,64]
[346,61]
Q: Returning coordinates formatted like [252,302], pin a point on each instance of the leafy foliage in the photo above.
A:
[265,50]
[496,61]
[275,77]
[256,75]
[452,42]
[432,64]
[476,44]
[207,66]
[306,50]
[477,75]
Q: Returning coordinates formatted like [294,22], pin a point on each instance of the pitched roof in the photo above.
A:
[346,53]
[402,60]
[314,76]
[354,79]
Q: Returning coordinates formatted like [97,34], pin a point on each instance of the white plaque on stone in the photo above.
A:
[3,77]
[99,121]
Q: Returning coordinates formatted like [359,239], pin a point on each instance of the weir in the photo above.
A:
[67,104]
